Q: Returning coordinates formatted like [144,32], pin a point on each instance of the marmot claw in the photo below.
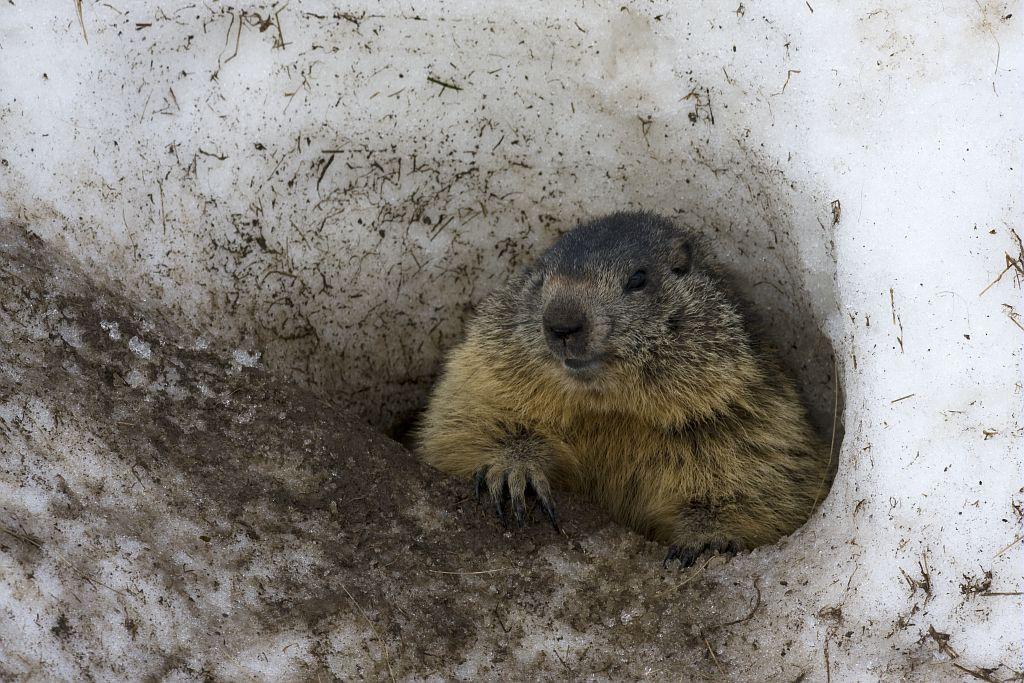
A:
[512,481]
[687,555]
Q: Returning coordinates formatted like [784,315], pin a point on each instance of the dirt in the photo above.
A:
[233,508]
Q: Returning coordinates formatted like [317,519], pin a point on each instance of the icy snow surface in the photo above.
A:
[335,186]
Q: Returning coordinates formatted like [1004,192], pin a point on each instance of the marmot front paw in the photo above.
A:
[510,480]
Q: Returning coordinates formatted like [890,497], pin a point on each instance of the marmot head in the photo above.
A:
[628,305]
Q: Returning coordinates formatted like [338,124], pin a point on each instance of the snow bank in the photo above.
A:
[330,188]
[338,187]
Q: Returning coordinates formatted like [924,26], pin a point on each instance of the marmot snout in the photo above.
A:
[617,367]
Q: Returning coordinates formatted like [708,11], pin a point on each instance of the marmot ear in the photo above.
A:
[682,256]
[535,278]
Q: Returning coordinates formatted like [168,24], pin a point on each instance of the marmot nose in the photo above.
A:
[565,331]
[564,324]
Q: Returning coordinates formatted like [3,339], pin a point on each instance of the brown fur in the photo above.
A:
[687,431]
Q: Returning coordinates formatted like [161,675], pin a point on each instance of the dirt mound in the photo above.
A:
[169,509]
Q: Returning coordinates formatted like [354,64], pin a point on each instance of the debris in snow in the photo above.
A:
[345,227]
[308,543]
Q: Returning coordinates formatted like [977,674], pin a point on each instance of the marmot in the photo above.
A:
[619,367]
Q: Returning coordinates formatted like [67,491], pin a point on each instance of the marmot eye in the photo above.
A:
[636,281]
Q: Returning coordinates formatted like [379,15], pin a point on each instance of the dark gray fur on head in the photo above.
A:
[624,241]
[627,294]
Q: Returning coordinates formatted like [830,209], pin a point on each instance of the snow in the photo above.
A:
[135,379]
[245,359]
[70,334]
[112,329]
[140,348]
[319,201]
